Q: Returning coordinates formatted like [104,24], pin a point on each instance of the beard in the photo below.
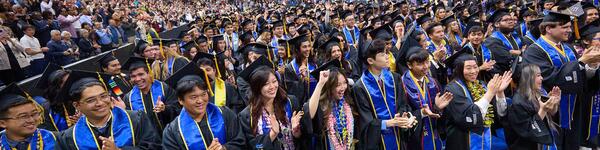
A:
[505,30]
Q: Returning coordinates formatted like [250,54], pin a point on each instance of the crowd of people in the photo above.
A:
[431,75]
[62,32]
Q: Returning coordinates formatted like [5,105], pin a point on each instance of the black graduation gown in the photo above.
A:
[500,54]
[527,130]
[146,137]
[554,76]
[296,86]
[483,75]
[316,128]
[439,71]
[48,123]
[368,129]
[463,117]
[243,89]
[252,140]
[235,138]
[233,100]
[527,41]
[161,119]
[592,87]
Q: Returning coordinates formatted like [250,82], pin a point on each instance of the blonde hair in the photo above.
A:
[161,71]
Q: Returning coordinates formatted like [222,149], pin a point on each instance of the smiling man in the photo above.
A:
[151,96]
[19,116]
[102,125]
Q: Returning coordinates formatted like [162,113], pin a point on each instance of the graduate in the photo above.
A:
[103,125]
[298,80]
[532,34]
[331,107]
[560,67]
[59,114]
[483,54]
[119,82]
[19,117]
[149,95]
[381,109]
[200,124]
[591,96]
[530,115]
[385,33]
[475,114]
[423,93]
[437,41]
[503,45]
[332,50]
[270,121]
[225,94]
[252,52]
[453,30]
[350,30]
[168,62]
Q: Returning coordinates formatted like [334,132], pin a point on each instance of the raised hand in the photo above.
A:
[160,106]
[505,80]
[324,76]
[274,126]
[118,102]
[488,65]
[296,117]
[108,143]
[442,101]
[493,85]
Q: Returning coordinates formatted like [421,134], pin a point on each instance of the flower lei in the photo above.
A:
[340,126]
[477,90]
[285,133]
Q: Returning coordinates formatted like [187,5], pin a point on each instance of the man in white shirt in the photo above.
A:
[34,50]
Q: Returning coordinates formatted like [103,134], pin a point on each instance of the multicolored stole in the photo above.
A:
[41,140]
[477,141]
[136,97]
[310,67]
[506,42]
[383,102]
[559,56]
[121,129]
[190,131]
[352,40]
[418,97]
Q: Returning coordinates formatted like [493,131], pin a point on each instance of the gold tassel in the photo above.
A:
[210,91]
[576,27]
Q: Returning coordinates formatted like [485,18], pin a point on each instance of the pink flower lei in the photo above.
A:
[335,140]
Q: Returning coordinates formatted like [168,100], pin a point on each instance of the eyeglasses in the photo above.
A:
[94,99]
[24,117]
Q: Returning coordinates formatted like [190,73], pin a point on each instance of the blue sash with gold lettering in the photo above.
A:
[191,133]
[418,97]
[48,140]
[384,106]
[594,116]
[505,41]
[121,129]
[136,98]
[477,141]
[567,101]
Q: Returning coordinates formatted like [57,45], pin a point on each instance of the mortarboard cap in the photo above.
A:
[333,64]
[421,20]
[135,62]
[260,62]
[463,55]
[384,33]
[557,17]
[255,47]
[188,73]
[590,29]
[105,59]
[50,73]
[13,94]
[497,16]
[77,79]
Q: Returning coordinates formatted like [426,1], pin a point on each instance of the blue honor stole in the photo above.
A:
[594,116]
[567,100]
[432,48]
[310,67]
[59,122]
[506,42]
[45,139]
[352,39]
[486,54]
[190,131]
[458,39]
[523,28]
[383,102]
[418,97]
[530,36]
[477,141]
[275,45]
[121,129]
[136,98]
[170,62]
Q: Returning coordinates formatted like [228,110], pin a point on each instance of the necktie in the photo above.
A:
[381,86]
[420,84]
[22,145]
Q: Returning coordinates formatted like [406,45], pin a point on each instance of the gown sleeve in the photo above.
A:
[369,127]
[235,137]
[293,84]
[500,54]
[146,136]
[243,89]
[234,101]
[171,138]
[461,111]
[524,120]
[568,77]
[172,106]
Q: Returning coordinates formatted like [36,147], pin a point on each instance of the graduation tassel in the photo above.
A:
[210,91]
[150,73]
[287,44]
[576,27]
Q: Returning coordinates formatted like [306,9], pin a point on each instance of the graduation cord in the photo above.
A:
[39,141]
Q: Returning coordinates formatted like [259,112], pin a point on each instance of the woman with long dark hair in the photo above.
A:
[331,120]
[269,122]
[298,80]
[530,115]
[474,115]
[59,113]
